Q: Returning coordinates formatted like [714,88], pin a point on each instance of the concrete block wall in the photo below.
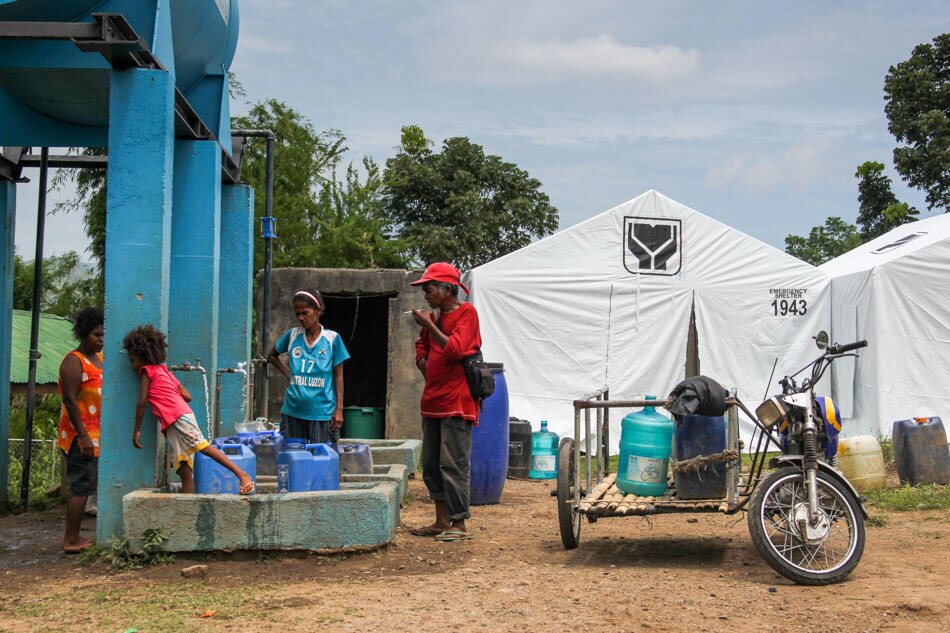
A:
[404,382]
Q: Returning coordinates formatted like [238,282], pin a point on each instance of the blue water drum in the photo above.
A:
[920,451]
[645,441]
[355,459]
[490,444]
[214,479]
[696,435]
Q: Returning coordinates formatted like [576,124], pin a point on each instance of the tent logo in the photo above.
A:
[652,246]
[897,244]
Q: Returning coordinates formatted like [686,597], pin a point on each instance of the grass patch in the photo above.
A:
[876,520]
[910,498]
[172,607]
[120,557]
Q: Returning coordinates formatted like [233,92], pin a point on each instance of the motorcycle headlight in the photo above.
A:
[770,412]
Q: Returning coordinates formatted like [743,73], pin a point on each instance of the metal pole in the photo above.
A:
[268,259]
[34,330]
[270,137]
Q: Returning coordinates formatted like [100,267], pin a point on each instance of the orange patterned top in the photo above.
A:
[89,401]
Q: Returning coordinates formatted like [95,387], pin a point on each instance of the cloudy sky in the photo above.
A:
[755,113]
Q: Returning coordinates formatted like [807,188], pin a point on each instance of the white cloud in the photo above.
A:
[600,55]
[798,165]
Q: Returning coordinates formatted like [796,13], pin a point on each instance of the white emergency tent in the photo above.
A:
[607,303]
[893,291]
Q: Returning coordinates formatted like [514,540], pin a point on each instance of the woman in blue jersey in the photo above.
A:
[313,403]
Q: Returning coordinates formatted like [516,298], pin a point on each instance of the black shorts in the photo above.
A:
[82,472]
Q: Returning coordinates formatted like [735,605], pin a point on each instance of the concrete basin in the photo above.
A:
[359,515]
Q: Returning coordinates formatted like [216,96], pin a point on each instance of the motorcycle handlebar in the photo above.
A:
[847,347]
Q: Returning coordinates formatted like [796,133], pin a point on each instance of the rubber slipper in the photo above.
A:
[454,535]
[246,491]
[428,530]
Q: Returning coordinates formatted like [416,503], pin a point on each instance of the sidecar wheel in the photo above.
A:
[568,519]
[808,555]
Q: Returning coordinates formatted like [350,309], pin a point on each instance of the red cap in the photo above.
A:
[441,271]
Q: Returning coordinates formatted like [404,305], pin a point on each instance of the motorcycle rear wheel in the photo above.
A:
[808,555]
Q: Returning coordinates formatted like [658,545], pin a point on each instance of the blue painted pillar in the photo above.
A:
[7,217]
[235,276]
[138,230]
[195,247]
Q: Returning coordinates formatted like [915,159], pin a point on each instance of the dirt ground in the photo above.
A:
[673,573]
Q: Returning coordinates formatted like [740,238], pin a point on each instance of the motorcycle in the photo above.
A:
[806,519]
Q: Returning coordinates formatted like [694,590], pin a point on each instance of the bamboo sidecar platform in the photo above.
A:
[607,500]
[575,477]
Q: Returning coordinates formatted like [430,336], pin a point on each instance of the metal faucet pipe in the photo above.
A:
[270,137]
[186,366]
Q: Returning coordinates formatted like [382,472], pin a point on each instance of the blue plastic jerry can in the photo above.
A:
[213,478]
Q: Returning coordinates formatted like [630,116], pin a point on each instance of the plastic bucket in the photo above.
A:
[365,423]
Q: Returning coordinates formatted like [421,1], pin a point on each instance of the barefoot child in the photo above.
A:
[168,399]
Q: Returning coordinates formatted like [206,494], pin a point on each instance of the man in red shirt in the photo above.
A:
[448,410]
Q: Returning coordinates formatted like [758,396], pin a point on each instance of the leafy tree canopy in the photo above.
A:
[879,209]
[461,205]
[917,96]
[824,243]
[322,221]
[66,287]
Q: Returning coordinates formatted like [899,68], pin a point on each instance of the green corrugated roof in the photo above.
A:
[56,340]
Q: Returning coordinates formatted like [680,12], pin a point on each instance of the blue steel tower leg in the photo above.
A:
[234,298]
[138,230]
[7,217]
[195,248]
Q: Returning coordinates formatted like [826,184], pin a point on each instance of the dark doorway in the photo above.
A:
[363,323]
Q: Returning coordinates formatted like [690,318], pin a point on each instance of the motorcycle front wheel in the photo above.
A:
[819,554]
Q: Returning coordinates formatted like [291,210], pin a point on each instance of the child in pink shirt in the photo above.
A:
[169,400]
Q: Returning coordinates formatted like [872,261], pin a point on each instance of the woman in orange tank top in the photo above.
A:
[80,386]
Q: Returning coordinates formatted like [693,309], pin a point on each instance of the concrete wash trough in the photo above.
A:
[405,452]
[360,514]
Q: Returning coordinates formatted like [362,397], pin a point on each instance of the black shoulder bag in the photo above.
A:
[481,381]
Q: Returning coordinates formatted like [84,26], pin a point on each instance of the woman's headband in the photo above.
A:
[306,294]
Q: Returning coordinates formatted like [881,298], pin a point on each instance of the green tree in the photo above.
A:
[354,231]
[321,220]
[917,96]
[824,243]
[304,160]
[89,200]
[879,209]
[461,205]
[66,287]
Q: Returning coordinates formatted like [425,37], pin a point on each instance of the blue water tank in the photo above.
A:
[204,37]
[920,451]
[645,441]
[696,435]
[213,478]
[490,444]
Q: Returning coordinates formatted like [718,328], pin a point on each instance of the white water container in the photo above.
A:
[861,460]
